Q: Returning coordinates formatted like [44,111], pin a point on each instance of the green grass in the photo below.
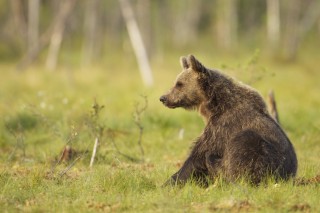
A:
[41,112]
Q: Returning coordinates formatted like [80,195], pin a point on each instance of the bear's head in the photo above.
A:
[187,91]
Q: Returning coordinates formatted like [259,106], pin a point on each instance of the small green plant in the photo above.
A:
[250,71]
[137,118]
[21,122]
[97,128]
[253,71]
[17,126]
[20,142]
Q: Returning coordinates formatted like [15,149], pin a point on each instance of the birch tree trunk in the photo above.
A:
[227,23]
[90,25]
[46,37]
[145,22]
[66,7]
[299,23]
[273,23]
[187,15]
[137,42]
[19,23]
[33,25]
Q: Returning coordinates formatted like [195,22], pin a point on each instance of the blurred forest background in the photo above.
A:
[44,31]
[72,98]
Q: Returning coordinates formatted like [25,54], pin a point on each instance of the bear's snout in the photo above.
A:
[163,99]
[167,102]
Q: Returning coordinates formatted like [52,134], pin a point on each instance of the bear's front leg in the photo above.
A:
[188,171]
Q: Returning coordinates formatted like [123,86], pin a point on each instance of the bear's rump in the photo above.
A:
[250,155]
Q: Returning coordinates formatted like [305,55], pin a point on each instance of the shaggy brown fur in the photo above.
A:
[240,138]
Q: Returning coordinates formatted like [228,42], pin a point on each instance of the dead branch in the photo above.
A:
[94,151]
[70,166]
[307,181]
[67,153]
[133,159]
[271,102]
[96,127]
[137,120]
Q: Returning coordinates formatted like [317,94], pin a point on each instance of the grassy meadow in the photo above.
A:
[42,112]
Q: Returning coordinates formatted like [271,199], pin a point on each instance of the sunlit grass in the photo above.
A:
[39,111]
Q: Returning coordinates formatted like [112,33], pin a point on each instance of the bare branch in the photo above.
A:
[273,106]
[94,151]
[70,166]
[133,159]
[67,152]
[137,119]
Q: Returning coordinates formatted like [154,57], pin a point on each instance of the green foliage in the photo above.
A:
[22,121]
[51,110]
[93,121]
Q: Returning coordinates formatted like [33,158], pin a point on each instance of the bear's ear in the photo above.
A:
[184,63]
[195,64]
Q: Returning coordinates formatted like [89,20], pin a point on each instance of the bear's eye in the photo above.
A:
[179,84]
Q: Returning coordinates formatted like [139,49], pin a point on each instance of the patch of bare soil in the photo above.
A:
[307,181]
[301,207]
[233,206]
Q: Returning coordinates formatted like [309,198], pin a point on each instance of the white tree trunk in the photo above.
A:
[227,23]
[57,34]
[19,20]
[273,22]
[94,151]
[310,18]
[90,24]
[54,49]
[33,24]
[137,42]
[143,11]
[298,26]
[186,21]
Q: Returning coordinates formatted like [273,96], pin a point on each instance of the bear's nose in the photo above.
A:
[163,99]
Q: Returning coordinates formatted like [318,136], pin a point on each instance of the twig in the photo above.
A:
[59,161]
[67,148]
[70,166]
[140,139]
[273,106]
[133,159]
[96,127]
[94,151]
[137,120]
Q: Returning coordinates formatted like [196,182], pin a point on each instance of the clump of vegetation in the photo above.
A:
[21,122]
[17,126]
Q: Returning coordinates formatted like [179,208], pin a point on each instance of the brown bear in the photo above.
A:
[240,140]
